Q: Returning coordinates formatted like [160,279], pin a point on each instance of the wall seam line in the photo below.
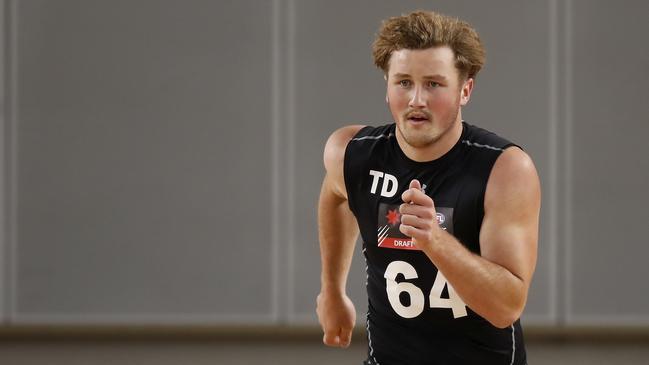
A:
[568,120]
[290,117]
[275,160]
[553,155]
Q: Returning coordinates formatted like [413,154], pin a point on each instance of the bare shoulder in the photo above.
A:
[513,179]
[334,152]
[514,161]
[334,158]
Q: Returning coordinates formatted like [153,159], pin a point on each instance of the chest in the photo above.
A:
[456,193]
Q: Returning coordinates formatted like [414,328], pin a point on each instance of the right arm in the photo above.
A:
[338,231]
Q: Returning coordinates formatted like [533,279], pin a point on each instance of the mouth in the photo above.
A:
[417,117]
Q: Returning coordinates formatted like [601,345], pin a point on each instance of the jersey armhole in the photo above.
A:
[511,144]
[347,173]
[483,191]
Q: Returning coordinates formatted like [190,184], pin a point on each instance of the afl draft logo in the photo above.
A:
[440,218]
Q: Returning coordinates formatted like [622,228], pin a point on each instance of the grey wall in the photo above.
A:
[161,160]
[3,167]
[607,247]
[141,162]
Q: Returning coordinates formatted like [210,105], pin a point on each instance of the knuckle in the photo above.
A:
[328,339]
[427,214]
[404,219]
[404,229]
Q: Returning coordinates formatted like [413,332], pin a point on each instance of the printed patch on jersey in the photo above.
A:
[389,219]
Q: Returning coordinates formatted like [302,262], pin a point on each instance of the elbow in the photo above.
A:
[504,321]
[506,317]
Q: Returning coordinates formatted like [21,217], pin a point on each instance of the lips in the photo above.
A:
[417,117]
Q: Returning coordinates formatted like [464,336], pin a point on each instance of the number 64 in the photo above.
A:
[416,307]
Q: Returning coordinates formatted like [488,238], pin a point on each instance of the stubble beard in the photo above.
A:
[428,136]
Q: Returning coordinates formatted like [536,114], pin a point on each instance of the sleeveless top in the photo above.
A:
[414,316]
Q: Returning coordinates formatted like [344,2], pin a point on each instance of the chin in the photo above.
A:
[420,138]
[419,141]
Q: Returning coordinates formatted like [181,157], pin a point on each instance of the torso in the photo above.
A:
[411,317]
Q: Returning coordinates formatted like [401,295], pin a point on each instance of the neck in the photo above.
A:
[434,150]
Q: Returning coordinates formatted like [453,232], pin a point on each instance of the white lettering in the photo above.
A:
[376,176]
[390,186]
[403,243]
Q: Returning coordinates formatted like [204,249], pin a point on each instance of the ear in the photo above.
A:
[387,100]
[465,92]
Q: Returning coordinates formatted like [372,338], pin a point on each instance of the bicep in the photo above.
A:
[509,232]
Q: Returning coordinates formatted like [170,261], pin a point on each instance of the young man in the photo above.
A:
[448,212]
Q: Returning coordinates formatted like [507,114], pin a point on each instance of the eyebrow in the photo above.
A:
[427,77]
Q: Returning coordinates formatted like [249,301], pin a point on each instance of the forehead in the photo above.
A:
[422,62]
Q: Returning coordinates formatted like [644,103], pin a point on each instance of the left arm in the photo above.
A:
[494,284]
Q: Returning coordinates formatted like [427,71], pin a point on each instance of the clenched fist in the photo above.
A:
[418,216]
[337,316]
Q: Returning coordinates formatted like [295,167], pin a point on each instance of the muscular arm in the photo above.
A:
[338,231]
[494,284]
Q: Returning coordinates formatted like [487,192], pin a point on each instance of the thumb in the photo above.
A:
[415,184]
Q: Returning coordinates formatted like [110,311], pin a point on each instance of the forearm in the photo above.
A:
[337,232]
[487,288]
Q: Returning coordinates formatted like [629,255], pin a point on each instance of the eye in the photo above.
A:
[404,83]
[433,84]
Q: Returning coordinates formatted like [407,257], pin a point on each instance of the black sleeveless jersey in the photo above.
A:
[414,316]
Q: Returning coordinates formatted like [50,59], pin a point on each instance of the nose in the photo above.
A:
[417,99]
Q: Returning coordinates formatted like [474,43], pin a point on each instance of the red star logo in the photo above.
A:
[393,217]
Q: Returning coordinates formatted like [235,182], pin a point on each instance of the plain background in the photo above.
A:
[161,160]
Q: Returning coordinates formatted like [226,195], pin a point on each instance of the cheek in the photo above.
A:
[394,93]
[443,101]
[397,99]
[444,97]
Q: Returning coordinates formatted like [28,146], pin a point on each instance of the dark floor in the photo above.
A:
[203,352]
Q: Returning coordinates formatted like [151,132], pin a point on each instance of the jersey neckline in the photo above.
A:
[436,162]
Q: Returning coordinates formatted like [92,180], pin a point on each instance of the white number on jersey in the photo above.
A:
[416,307]
[394,289]
[454,301]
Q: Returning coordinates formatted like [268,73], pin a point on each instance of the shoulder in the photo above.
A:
[360,139]
[514,165]
[334,159]
[513,181]
[334,152]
